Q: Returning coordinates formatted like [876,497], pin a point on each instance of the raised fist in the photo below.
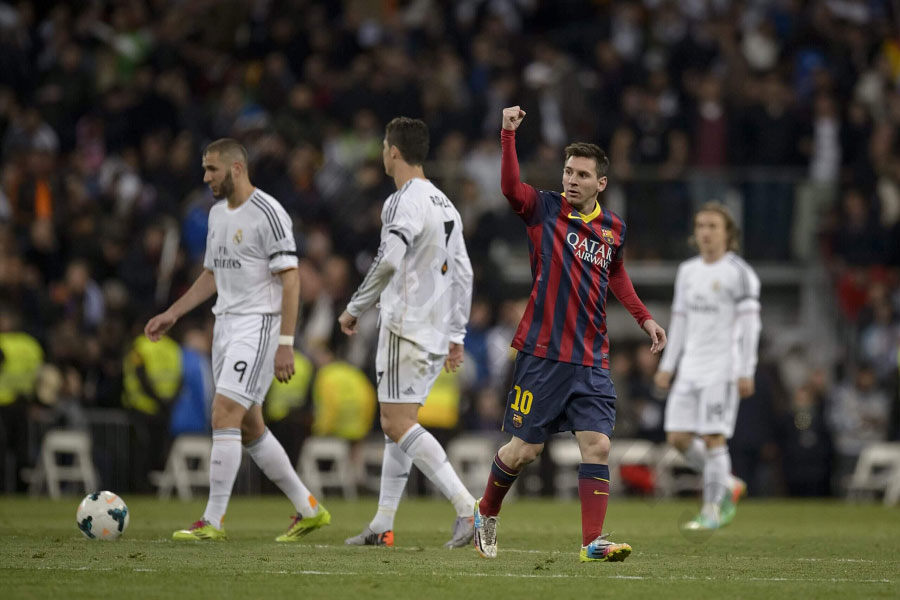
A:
[512,117]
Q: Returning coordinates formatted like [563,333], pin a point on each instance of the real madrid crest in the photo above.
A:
[607,236]
[238,236]
[716,285]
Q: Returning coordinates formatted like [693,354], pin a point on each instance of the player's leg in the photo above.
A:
[395,466]
[593,492]
[399,421]
[534,403]
[269,455]
[691,447]
[225,460]
[591,413]
[505,469]
[681,420]
[395,463]
[717,412]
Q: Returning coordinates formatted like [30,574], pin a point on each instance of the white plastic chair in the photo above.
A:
[325,463]
[50,472]
[566,456]
[471,455]
[878,470]
[187,466]
[673,475]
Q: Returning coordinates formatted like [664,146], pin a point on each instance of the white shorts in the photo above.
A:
[706,409]
[405,372]
[243,356]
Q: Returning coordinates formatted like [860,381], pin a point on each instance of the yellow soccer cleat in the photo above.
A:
[301,526]
[200,531]
[603,550]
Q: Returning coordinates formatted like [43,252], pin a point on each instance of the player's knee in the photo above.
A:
[394,427]
[250,432]
[680,440]
[596,451]
[714,441]
[526,453]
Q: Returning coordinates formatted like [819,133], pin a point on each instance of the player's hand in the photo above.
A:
[348,323]
[284,363]
[159,325]
[512,117]
[746,387]
[657,336]
[454,358]
[663,379]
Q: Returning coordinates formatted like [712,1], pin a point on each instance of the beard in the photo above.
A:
[226,189]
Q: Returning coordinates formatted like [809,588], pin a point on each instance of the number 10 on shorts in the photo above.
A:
[522,403]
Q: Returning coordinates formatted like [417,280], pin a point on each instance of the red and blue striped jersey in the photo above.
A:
[575,258]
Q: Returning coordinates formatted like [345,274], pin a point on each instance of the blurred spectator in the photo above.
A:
[858,413]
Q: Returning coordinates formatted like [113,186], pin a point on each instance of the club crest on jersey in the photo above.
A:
[238,236]
[716,286]
[607,236]
[517,420]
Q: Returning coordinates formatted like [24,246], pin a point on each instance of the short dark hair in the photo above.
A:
[229,149]
[411,138]
[585,150]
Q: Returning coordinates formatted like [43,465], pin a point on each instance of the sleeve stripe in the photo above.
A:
[745,277]
[400,235]
[371,270]
[396,203]
[283,253]
[274,222]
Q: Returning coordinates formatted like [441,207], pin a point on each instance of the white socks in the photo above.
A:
[394,474]
[224,462]
[430,458]
[716,475]
[695,455]
[269,455]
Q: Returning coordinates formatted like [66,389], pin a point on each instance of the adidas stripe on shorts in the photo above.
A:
[405,372]
[243,356]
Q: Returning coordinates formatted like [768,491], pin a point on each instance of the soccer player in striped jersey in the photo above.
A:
[251,264]
[423,279]
[561,379]
[714,334]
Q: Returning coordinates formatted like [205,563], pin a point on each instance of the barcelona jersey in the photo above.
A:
[575,258]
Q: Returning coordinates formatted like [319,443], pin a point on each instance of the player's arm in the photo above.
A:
[460,305]
[387,261]
[748,325]
[201,291]
[290,304]
[623,289]
[521,197]
[676,338]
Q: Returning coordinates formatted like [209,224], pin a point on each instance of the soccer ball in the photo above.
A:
[102,516]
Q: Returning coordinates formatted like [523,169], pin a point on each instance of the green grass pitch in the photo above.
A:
[820,549]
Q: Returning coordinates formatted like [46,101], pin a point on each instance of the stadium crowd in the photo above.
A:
[105,107]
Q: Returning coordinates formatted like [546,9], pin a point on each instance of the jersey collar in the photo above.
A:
[587,218]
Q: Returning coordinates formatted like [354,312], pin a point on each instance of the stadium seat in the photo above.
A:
[566,457]
[673,476]
[368,456]
[325,463]
[50,472]
[877,470]
[471,456]
[624,452]
[187,466]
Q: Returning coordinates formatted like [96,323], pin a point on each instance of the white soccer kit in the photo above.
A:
[423,277]
[245,249]
[712,341]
